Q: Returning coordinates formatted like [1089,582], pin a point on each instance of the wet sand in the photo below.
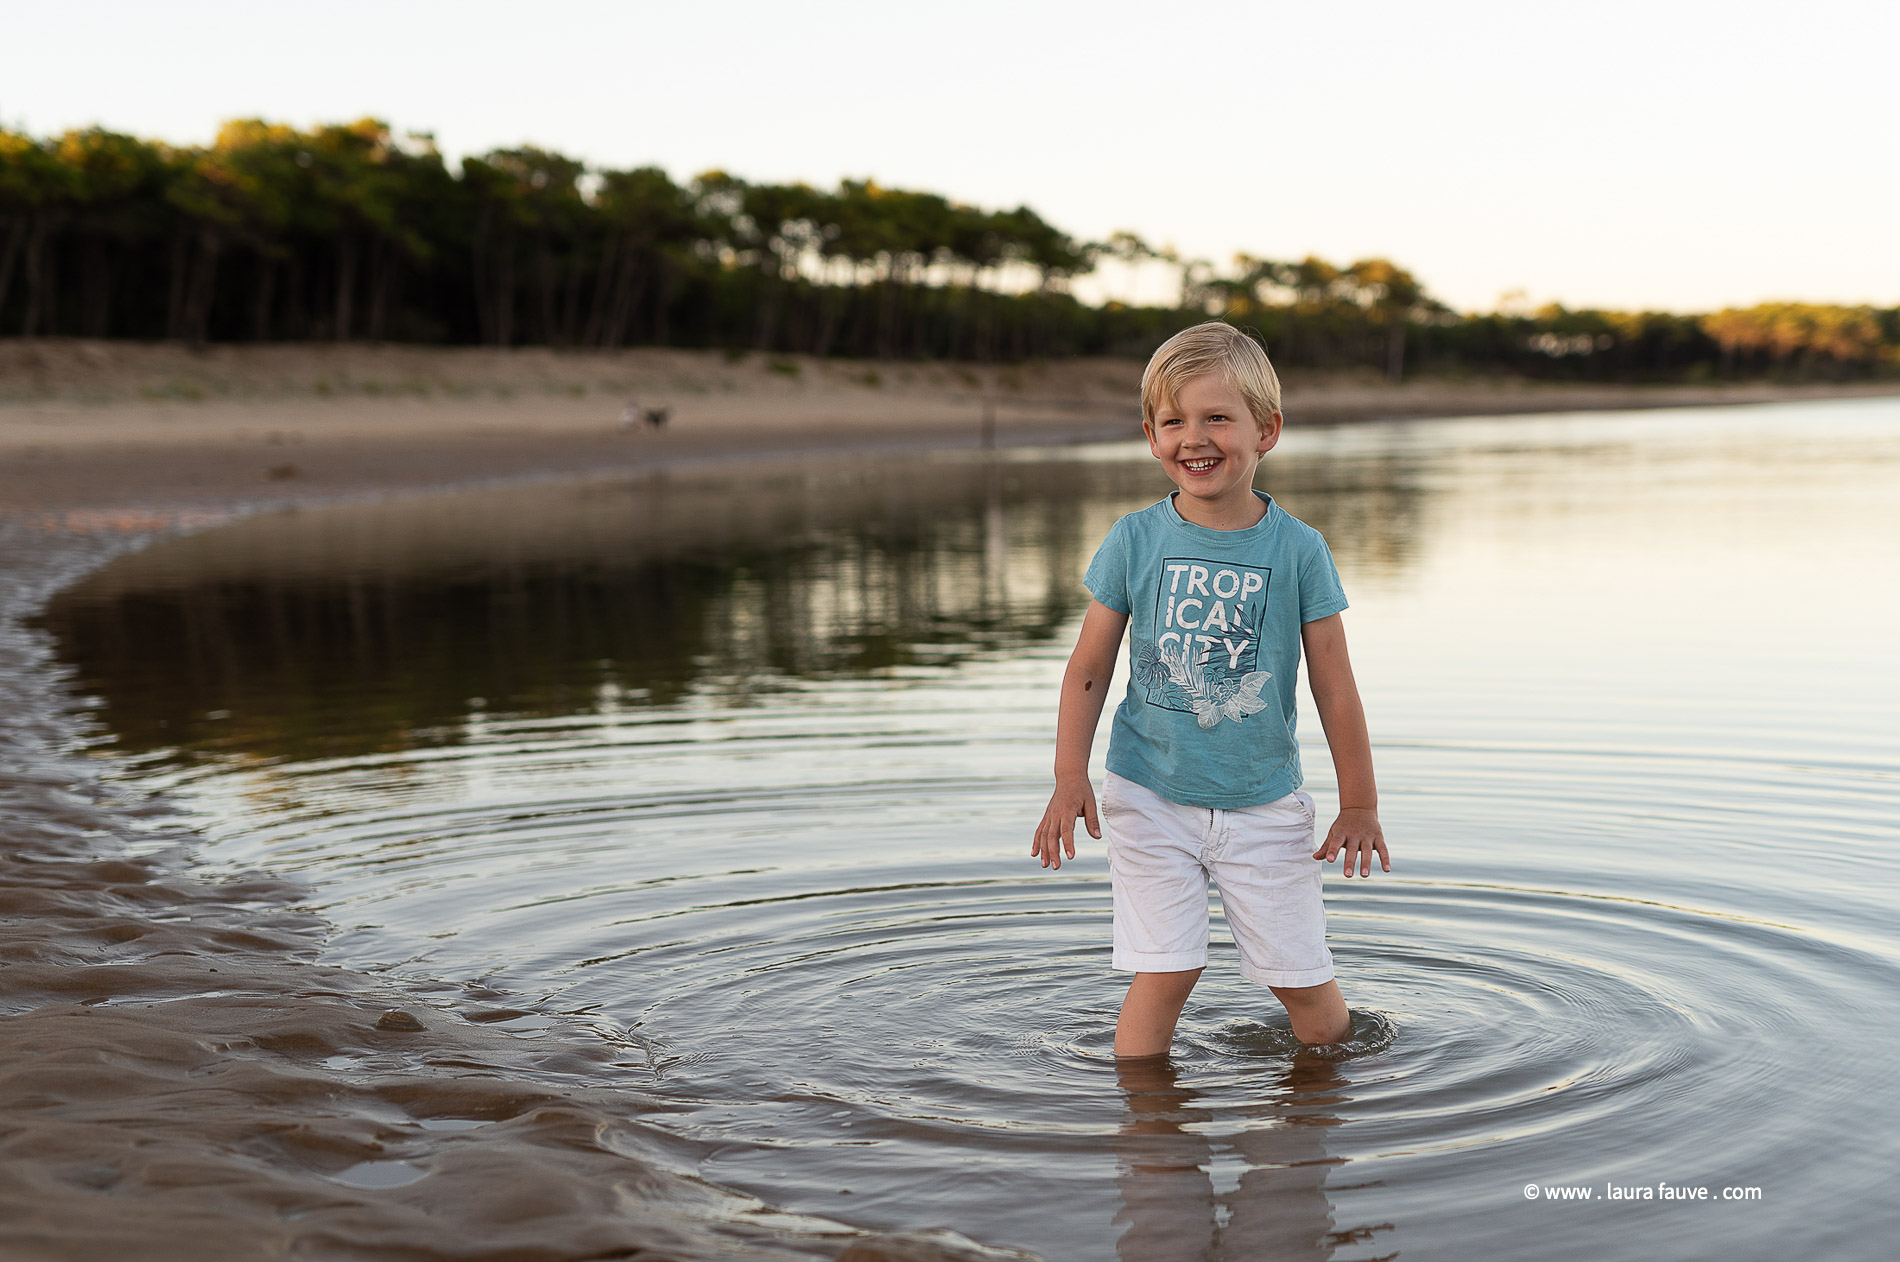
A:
[179,1077]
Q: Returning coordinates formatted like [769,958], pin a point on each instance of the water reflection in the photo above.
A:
[1277,1210]
[745,775]
[337,631]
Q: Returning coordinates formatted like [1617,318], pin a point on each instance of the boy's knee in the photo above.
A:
[1182,981]
[1323,999]
[1319,1012]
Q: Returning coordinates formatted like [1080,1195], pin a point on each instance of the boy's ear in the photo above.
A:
[1270,432]
[1148,431]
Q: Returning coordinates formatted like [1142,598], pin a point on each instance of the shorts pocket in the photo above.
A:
[1293,807]
[1112,797]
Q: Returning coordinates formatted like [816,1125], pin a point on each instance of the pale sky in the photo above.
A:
[1661,154]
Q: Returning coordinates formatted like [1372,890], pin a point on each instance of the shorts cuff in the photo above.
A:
[1288,977]
[1157,962]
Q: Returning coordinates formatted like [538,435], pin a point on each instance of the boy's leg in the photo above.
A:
[1151,1008]
[1160,885]
[1271,887]
[1319,1012]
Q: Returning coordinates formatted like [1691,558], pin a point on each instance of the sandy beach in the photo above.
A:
[180,1077]
[113,426]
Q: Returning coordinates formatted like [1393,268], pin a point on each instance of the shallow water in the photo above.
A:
[749,782]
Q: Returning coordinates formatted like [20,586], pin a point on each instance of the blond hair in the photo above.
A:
[1211,348]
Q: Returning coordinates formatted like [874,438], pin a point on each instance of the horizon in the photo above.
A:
[1490,151]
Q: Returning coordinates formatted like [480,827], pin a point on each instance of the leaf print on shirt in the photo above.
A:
[1216,699]
[1148,667]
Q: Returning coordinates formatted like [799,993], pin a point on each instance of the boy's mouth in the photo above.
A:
[1200,464]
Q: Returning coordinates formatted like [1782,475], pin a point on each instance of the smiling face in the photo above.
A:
[1209,442]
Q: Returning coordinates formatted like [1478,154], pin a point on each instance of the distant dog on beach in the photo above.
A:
[633,414]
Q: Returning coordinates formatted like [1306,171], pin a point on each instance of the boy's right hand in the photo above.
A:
[1055,836]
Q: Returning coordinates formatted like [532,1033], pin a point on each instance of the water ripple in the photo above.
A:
[760,820]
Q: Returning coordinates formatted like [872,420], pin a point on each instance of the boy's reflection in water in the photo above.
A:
[1170,1212]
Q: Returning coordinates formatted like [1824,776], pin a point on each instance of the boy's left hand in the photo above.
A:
[1357,833]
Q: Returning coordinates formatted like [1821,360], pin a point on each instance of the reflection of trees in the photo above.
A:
[1277,1212]
[1368,507]
[342,630]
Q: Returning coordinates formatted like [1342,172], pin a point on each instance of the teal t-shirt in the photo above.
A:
[1214,648]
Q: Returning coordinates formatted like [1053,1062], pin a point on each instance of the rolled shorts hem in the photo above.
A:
[1156,962]
[1289,978]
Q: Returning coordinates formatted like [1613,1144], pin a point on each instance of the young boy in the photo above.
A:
[1223,589]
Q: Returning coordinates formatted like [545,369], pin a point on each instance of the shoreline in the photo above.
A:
[280,1106]
[182,1076]
[115,426]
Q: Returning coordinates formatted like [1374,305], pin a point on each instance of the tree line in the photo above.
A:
[351,232]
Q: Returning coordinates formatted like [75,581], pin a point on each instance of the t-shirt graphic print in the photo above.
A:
[1204,656]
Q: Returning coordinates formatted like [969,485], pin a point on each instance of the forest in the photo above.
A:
[352,232]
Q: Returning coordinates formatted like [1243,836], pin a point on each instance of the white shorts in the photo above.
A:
[1162,854]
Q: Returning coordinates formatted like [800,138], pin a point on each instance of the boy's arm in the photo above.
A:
[1329,674]
[1084,689]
